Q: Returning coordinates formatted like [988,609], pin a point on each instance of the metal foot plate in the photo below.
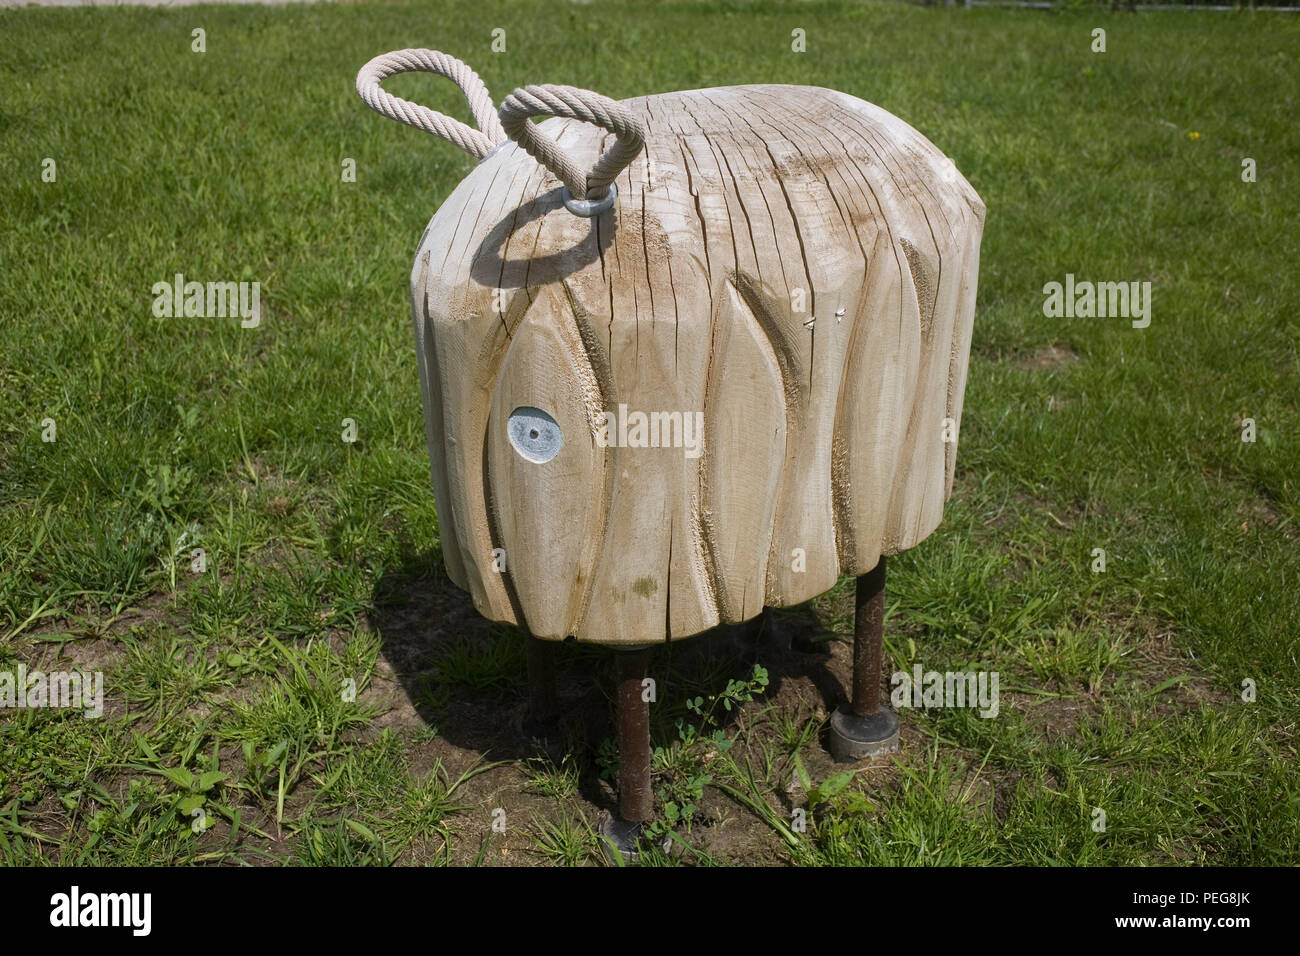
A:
[618,839]
[854,738]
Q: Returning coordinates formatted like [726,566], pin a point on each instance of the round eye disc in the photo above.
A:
[535,434]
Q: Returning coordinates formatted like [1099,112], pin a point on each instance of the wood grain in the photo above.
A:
[791,267]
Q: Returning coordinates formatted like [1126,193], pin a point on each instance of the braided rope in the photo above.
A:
[573,103]
[513,119]
[477,142]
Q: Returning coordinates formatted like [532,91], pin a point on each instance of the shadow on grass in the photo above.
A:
[466,676]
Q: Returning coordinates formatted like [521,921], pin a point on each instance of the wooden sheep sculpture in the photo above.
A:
[712,373]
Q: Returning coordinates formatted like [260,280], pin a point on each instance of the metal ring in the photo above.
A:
[586,208]
[495,149]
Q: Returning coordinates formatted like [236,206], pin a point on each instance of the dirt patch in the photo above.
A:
[1052,356]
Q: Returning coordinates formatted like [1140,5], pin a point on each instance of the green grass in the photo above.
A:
[227,691]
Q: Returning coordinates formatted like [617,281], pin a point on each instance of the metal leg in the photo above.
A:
[635,800]
[868,640]
[541,722]
[542,705]
[865,727]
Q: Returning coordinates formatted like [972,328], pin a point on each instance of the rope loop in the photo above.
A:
[589,193]
[573,103]
[477,142]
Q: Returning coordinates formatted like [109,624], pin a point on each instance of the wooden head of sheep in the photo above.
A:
[712,373]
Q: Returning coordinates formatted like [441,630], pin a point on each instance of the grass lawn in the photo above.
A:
[1125,693]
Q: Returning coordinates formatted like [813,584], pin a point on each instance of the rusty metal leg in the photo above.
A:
[542,705]
[868,640]
[865,727]
[541,722]
[635,800]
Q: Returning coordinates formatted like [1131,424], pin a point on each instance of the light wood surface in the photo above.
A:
[823,429]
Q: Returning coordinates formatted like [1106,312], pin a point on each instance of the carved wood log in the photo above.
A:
[789,269]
